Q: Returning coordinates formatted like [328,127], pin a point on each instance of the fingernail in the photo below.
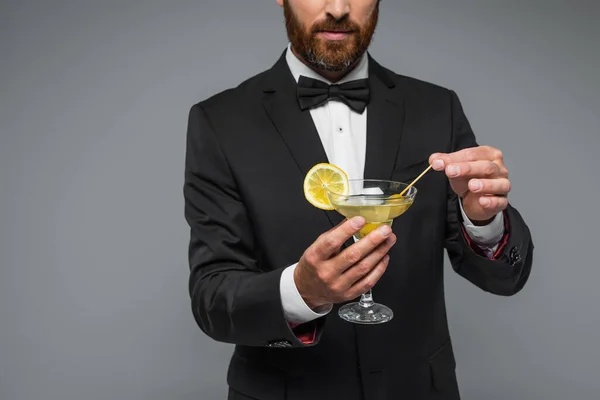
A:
[384,230]
[438,164]
[476,186]
[484,201]
[357,222]
[386,259]
[453,170]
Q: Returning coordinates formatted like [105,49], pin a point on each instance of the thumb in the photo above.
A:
[437,161]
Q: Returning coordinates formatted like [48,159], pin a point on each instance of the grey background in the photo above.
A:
[94,100]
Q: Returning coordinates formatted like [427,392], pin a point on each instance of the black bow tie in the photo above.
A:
[313,92]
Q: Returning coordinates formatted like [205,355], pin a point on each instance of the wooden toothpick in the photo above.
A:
[416,179]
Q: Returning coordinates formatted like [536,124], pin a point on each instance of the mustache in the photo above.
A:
[343,25]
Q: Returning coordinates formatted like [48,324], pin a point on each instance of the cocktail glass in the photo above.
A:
[378,202]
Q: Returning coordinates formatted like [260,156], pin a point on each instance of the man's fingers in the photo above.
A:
[442,160]
[473,169]
[339,224]
[366,265]
[436,160]
[330,242]
[494,204]
[500,186]
[367,282]
[359,250]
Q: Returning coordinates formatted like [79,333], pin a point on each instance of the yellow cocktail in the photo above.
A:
[375,211]
[378,202]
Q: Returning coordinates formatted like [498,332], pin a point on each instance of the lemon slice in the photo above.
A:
[319,178]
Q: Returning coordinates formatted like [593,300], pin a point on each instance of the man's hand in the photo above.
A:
[325,275]
[478,176]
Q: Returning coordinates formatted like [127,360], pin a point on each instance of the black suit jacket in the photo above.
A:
[248,150]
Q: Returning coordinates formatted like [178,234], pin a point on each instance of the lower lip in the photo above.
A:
[334,35]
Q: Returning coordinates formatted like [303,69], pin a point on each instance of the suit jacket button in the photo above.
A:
[279,343]
[514,256]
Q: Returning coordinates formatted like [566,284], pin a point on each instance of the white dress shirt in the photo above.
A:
[343,133]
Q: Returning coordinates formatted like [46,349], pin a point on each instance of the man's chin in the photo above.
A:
[332,65]
[335,50]
[338,60]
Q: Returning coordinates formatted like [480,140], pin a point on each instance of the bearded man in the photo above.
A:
[269,271]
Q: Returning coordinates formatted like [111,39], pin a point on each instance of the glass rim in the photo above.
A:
[410,193]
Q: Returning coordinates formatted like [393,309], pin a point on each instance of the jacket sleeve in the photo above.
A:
[507,272]
[234,299]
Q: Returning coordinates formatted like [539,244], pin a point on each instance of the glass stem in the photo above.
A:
[366,300]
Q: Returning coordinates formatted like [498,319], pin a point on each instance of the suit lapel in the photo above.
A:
[296,127]
[385,120]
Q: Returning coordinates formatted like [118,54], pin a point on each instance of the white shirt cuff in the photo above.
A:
[487,236]
[294,308]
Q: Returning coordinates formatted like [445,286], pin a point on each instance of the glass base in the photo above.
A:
[374,314]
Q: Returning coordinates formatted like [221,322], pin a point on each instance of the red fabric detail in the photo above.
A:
[473,245]
[306,333]
[470,241]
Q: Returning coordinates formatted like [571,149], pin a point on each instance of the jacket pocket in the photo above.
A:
[256,380]
[442,366]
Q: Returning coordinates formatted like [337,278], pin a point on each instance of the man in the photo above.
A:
[269,270]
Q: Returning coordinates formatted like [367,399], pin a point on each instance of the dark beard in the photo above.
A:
[329,55]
